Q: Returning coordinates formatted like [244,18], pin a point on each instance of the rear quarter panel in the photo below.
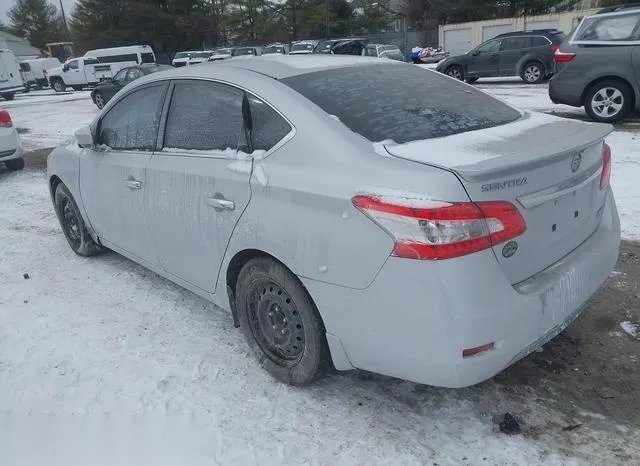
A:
[301,212]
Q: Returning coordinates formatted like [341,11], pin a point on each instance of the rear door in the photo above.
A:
[514,50]
[485,60]
[196,190]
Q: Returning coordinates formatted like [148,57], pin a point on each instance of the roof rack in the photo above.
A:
[621,7]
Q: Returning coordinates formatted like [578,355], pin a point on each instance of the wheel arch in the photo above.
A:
[606,78]
[339,357]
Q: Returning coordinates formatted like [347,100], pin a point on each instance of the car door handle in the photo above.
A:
[219,204]
[133,184]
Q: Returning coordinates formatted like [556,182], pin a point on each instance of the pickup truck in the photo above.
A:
[79,73]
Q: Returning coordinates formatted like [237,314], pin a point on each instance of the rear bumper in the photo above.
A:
[10,145]
[416,318]
[563,91]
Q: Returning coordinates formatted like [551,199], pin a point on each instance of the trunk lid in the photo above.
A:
[548,167]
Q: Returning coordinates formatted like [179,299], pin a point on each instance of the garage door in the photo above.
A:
[489,32]
[531,25]
[457,41]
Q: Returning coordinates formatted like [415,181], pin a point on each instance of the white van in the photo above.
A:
[10,77]
[125,56]
[39,67]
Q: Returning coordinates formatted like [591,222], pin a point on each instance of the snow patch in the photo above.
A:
[404,198]
[261,175]
[631,328]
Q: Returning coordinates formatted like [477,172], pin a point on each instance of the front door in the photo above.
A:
[198,184]
[73,76]
[485,59]
[514,50]
[113,178]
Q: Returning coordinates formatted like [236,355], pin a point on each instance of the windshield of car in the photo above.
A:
[182,55]
[273,49]
[302,47]
[380,102]
[223,52]
[200,55]
[243,51]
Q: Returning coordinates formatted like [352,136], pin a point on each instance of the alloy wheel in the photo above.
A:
[532,73]
[607,102]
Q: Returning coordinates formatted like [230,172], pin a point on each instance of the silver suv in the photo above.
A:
[598,67]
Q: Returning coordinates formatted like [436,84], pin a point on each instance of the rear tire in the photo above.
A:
[281,323]
[455,72]
[58,85]
[15,164]
[608,101]
[533,73]
[99,100]
[73,225]
[8,96]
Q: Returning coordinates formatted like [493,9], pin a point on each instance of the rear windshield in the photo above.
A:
[201,55]
[182,55]
[273,49]
[25,66]
[399,102]
[242,51]
[299,47]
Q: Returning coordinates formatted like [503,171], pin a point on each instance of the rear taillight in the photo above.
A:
[441,230]
[563,57]
[605,176]
[5,119]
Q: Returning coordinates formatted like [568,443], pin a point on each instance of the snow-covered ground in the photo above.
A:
[97,341]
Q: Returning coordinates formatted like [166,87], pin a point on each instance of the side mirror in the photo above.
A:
[65,68]
[84,137]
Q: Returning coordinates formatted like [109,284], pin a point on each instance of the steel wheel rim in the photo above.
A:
[455,73]
[99,101]
[276,323]
[607,102]
[70,223]
[57,86]
[532,73]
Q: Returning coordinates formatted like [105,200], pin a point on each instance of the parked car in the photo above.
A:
[528,54]
[598,67]
[427,54]
[104,91]
[344,46]
[10,77]
[303,47]
[10,145]
[28,78]
[221,54]
[199,57]
[39,67]
[181,58]
[278,48]
[246,52]
[392,52]
[435,236]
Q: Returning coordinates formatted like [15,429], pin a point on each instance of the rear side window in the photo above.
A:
[516,43]
[268,126]
[539,41]
[205,116]
[400,102]
[147,58]
[132,123]
[119,58]
[609,28]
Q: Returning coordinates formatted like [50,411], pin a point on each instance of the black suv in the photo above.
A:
[528,54]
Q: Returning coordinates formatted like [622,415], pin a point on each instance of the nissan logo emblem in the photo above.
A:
[575,162]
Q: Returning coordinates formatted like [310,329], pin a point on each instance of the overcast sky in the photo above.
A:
[5,5]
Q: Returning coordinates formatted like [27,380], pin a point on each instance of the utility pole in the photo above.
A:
[327,24]
[64,21]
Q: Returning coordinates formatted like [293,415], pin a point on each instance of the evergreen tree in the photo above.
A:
[35,20]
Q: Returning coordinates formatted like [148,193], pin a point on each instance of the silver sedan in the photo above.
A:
[349,211]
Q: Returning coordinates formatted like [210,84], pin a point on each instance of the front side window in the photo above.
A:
[132,123]
[91,61]
[269,127]
[489,47]
[205,116]
[516,43]
[379,102]
[133,74]
[609,28]
[73,64]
